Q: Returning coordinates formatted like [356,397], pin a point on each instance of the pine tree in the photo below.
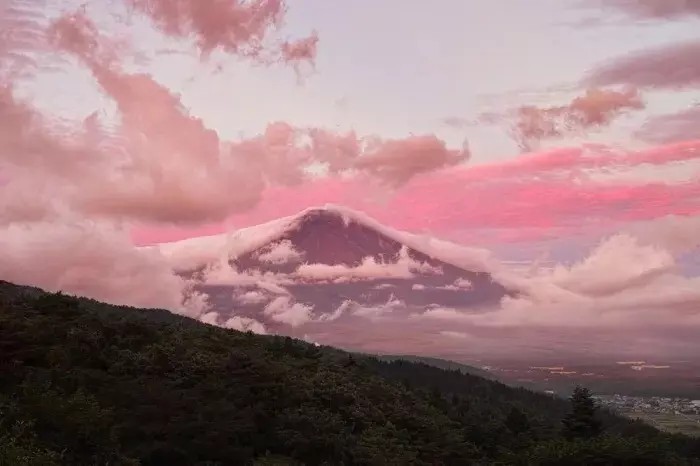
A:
[581,422]
[517,421]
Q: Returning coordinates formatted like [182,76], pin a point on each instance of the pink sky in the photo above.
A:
[130,122]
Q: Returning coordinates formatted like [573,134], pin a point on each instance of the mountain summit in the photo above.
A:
[329,264]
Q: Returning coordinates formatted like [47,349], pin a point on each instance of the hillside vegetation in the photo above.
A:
[85,383]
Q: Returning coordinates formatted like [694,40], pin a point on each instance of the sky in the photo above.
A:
[540,130]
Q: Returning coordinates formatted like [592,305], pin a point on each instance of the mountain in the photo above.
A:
[331,265]
[83,382]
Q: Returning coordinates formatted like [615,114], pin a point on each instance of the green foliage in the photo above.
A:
[18,444]
[582,422]
[83,383]
[604,450]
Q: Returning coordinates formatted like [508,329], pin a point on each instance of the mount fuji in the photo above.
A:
[330,268]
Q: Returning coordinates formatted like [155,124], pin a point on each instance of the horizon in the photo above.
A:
[556,146]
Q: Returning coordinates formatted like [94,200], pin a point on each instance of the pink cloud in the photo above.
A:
[237,27]
[164,165]
[456,122]
[300,50]
[533,196]
[397,161]
[667,67]
[601,291]
[596,108]
[657,8]
[674,127]
[21,38]
[91,259]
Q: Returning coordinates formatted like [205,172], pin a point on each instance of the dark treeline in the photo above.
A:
[84,383]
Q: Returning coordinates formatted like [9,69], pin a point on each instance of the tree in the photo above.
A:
[517,421]
[581,422]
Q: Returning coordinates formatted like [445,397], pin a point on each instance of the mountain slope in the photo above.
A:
[86,383]
[439,363]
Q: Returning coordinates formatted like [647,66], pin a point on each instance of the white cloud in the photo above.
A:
[622,282]
[251,297]
[92,259]
[245,324]
[373,312]
[222,273]
[283,310]
[211,318]
[618,263]
[338,313]
[455,335]
[242,324]
[674,233]
[458,285]
[648,366]
[404,267]
[281,252]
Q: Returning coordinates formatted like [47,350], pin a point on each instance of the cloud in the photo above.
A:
[393,161]
[242,28]
[245,324]
[283,310]
[456,122]
[397,161]
[22,41]
[281,252]
[170,167]
[596,108]
[242,324]
[381,311]
[535,196]
[679,126]
[300,51]
[672,66]
[676,234]
[162,165]
[251,297]
[221,273]
[456,335]
[622,283]
[211,318]
[603,273]
[404,267]
[341,310]
[92,259]
[458,285]
[660,9]
[650,366]
[33,145]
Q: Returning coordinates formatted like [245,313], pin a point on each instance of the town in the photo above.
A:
[678,415]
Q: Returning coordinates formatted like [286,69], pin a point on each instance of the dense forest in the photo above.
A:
[85,383]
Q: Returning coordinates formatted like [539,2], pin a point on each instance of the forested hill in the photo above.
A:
[85,383]
[439,363]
